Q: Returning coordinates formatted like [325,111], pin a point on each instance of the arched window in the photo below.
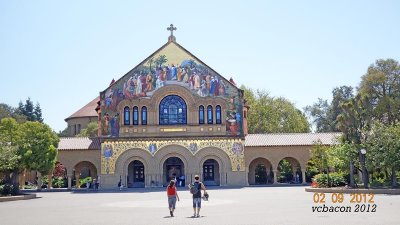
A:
[144,115]
[172,110]
[127,116]
[209,114]
[135,116]
[201,114]
[218,114]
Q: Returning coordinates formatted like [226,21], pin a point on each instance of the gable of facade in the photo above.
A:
[171,93]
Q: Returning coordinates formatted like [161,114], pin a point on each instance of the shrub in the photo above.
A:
[335,180]
[83,181]
[8,189]
[59,182]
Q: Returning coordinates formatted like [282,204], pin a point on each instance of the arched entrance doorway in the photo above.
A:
[84,172]
[211,175]
[260,172]
[289,171]
[174,168]
[136,175]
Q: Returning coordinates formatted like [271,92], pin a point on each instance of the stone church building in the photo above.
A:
[173,116]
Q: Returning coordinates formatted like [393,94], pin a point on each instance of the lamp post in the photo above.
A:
[363,152]
[325,158]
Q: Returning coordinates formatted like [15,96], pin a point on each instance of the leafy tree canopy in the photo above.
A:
[9,111]
[9,158]
[89,131]
[381,84]
[32,113]
[273,115]
[37,145]
[324,115]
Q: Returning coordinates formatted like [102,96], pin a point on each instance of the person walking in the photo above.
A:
[172,194]
[195,190]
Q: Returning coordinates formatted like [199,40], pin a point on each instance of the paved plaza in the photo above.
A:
[247,205]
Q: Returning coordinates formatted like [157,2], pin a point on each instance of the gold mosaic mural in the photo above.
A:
[111,150]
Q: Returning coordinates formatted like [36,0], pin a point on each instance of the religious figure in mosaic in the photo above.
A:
[193,147]
[152,148]
[237,148]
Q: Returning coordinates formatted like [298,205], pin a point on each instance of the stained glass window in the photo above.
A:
[144,115]
[201,114]
[127,116]
[172,110]
[218,114]
[135,116]
[209,114]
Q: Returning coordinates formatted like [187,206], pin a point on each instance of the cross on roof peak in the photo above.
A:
[171,37]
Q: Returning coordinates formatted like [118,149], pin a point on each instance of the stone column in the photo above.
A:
[303,173]
[77,184]
[275,176]
[39,181]
[69,182]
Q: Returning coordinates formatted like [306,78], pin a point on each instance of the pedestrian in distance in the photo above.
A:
[195,189]
[172,194]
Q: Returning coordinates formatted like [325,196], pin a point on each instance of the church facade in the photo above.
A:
[172,117]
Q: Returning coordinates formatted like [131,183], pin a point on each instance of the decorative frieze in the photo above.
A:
[111,150]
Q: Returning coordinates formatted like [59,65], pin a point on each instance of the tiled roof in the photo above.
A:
[89,110]
[79,143]
[290,139]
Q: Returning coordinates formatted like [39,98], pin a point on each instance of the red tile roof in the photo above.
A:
[79,143]
[89,110]
[294,139]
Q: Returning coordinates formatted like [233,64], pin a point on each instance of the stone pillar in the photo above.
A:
[251,178]
[303,173]
[247,178]
[275,176]
[77,184]
[39,181]
[69,182]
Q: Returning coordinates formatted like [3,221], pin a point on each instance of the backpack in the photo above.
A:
[193,189]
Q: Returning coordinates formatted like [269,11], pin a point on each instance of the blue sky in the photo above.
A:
[63,53]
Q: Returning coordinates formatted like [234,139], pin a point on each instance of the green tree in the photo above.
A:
[37,147]
[38,113]
[381,84]
[384,149]
[9,159]
[63,133]
[9,131]
[355,121]
[32,113]
[273,115]
[9,111]
[324,115]
[319,113]
[89,131]
[319,154]
[285,171]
